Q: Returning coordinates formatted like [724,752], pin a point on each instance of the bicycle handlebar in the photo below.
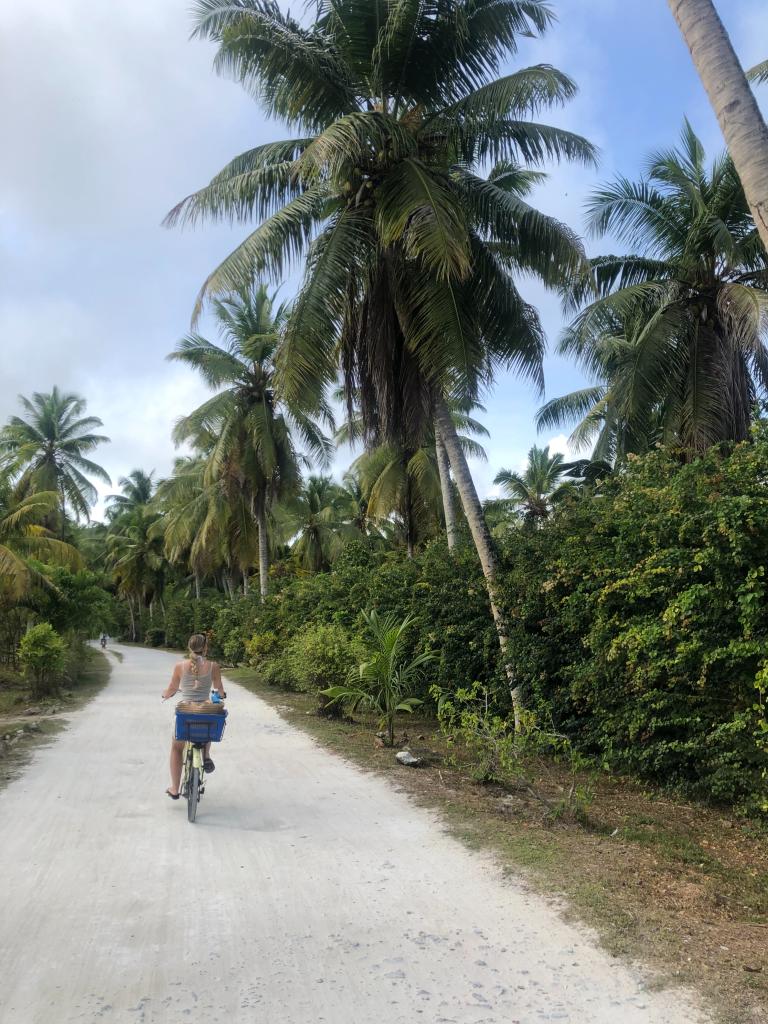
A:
[223,696]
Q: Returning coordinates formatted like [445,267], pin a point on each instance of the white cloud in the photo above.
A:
[151,409]
[113,107]
[558,445]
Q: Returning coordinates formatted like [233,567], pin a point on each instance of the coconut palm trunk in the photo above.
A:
[444,470]
[133,620]
[473,512]
[197,585]
[734,103]
[261,522]
[408,516]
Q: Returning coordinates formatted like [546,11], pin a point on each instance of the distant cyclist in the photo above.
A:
[103,640]
[193,678]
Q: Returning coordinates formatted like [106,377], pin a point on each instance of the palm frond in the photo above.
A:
[759,73]
[275,245]
[256,183]
[560,412]
[416,208]
[295,72]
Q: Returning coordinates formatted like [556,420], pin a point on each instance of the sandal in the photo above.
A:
[173,796]
[209,765]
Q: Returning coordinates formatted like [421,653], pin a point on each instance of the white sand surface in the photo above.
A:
[306,892]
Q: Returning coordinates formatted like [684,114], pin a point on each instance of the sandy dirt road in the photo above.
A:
[306,892]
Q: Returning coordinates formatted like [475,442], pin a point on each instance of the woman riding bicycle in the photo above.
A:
[193,678]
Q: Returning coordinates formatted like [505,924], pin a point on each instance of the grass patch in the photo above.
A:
[679,886]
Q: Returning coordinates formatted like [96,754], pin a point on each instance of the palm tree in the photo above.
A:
[49,449]
[584,475]
[620,415]
[412,486]
[759,73]
[539,487]
[90,539]
[676,336]
[315,521]
[385,681]
[253,460]
[409,250]
[407,475]
[137,490]
[135,558]
[354,501]
[24,536]
[206,520]
[742,124]
[193,535]
[403,485]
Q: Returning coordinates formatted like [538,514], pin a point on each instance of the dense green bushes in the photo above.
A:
[46,634]
[76,602]
[308,632]
[639,621]
[154,636]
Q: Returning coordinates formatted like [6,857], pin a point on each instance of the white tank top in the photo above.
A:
[196,687]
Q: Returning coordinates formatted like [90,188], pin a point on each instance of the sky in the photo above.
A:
[112,114]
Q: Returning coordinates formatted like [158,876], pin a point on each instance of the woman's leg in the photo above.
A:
[177,754]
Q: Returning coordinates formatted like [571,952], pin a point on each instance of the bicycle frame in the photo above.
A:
[193,760]
[197,758]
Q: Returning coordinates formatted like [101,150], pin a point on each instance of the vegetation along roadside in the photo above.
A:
[680,887]
[27,720]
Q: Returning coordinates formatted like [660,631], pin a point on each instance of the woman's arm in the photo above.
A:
[216,678]
[173,686]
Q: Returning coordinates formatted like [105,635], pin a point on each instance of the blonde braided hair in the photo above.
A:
[196,644]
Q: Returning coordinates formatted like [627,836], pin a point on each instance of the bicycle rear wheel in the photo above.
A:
[193,793]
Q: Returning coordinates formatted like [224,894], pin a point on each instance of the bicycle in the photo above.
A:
[197,730]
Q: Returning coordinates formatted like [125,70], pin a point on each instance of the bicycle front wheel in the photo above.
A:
[193,793]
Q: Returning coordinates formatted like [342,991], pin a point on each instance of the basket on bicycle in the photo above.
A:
[195,727]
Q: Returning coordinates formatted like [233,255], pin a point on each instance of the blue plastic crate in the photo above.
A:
[200,728]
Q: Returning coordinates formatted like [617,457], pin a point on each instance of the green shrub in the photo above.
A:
[231,625]
[277,674]
[516,760]
[77,602]
[42,654]
[154,636]
[640,620]
[179,621]
[234,649]
[318,657]
[185,615]
[262,647]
